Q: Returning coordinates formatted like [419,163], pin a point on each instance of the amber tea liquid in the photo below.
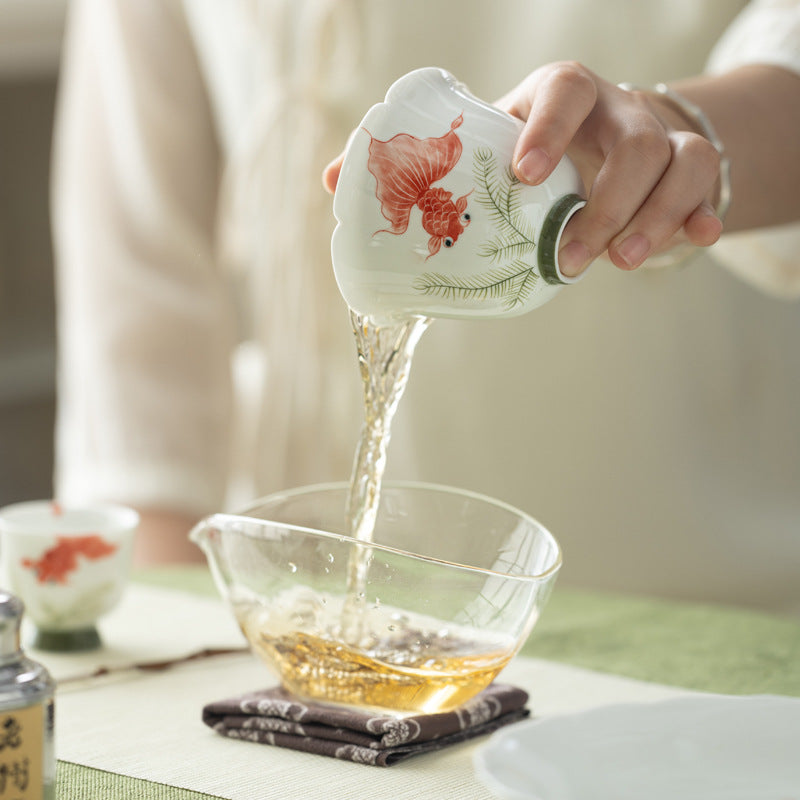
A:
[409,671]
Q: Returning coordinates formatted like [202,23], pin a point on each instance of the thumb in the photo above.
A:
[330,175]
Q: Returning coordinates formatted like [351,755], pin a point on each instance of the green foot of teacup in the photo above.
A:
[66,641]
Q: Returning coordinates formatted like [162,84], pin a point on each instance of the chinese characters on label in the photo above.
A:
[21,753]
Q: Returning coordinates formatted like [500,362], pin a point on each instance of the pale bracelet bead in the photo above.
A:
[697,117]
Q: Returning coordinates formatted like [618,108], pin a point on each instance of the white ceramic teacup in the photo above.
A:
[68,564]
[431,219]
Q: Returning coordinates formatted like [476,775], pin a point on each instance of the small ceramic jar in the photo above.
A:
[431,219]
[27,751]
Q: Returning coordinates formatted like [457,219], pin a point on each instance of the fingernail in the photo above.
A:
[572,258]
[634,250]
[533,166]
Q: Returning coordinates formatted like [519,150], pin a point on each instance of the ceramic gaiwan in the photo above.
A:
[432,220]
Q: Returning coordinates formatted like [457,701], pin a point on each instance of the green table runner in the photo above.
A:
[703,647]
[706,648]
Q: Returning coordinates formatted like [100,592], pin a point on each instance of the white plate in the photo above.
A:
[700,747]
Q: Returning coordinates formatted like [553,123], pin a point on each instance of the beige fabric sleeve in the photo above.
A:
[142,417]
[766,32]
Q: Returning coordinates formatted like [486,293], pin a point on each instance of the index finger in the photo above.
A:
[553,103]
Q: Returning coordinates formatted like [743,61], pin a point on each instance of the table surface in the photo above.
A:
[707,648]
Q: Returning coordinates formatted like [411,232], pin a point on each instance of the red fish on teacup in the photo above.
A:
[405,169]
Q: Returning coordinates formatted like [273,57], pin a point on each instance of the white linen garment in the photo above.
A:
[649,419]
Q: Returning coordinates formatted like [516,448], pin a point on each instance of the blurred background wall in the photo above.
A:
[30,36]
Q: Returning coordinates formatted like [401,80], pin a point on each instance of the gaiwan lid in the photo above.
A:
[432,220]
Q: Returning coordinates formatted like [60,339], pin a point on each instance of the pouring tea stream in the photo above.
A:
[432,222]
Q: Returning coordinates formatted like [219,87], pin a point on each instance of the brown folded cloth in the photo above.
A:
[275,717]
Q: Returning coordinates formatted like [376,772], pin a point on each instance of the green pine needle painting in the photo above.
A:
[512,280]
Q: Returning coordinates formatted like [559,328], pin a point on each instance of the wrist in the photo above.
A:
[672,114]
[678,113]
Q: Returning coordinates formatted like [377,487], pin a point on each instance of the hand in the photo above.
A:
[163,538]
[650,179]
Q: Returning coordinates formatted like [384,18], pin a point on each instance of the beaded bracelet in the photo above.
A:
[701,123]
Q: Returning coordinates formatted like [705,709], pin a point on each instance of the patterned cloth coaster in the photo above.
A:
[275,717]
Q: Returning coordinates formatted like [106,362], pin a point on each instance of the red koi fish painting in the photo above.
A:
[405,168]
[59,561]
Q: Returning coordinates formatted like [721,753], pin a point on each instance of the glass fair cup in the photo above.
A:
[432,221]
[68,564]
[447,592]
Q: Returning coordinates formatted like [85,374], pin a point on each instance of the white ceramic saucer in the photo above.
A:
[699,747]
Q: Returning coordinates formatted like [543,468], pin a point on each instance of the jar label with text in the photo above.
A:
[21,744]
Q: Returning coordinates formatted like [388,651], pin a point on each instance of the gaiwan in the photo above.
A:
[432,220]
